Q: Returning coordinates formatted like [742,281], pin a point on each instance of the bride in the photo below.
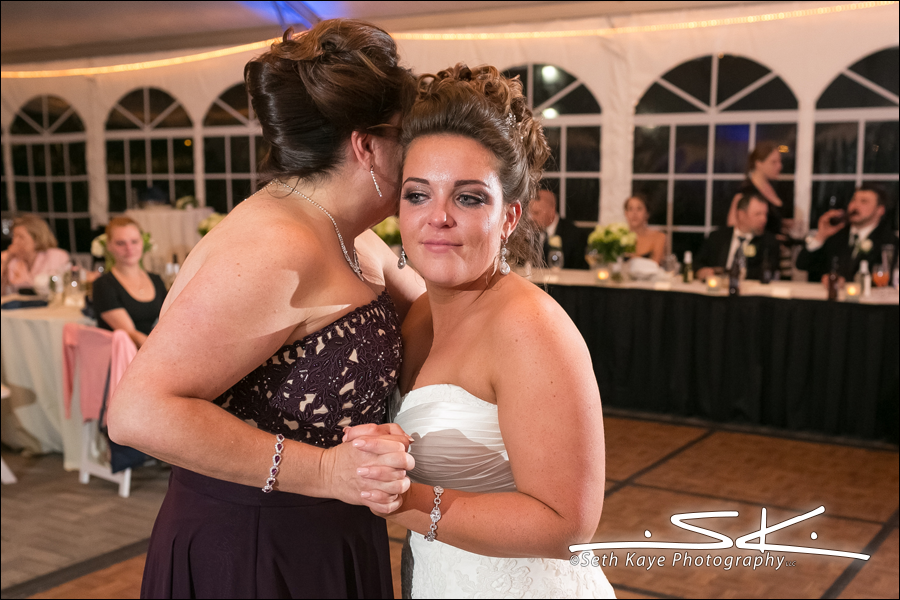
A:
[498,390]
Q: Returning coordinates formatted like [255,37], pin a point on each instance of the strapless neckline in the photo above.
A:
[403,397]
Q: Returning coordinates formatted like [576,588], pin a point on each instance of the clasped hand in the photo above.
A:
[370,466]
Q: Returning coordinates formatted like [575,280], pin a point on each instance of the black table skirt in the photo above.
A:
[802,365]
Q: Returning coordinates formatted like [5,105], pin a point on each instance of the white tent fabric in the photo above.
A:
[806,52]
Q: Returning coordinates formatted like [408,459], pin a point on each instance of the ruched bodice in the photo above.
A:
[457,440]
[458,445]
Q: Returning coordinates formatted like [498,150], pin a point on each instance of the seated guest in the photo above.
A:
[127,297]
[749,233]
[650,242]
[33,252]
[549,224]
[868,231]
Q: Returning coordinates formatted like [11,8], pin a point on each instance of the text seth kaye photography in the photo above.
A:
[769,556]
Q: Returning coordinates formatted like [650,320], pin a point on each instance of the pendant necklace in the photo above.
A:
[354,262]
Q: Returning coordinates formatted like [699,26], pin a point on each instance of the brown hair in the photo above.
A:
[120,222]
[38,229]
[312,90]
[477,104]
[640,198]
[760,153]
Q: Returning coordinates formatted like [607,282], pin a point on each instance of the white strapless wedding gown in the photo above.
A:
[459,447]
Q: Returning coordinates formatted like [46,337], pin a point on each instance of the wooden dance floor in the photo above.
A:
[64,540]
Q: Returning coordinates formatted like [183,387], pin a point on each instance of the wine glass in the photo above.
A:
[882,275]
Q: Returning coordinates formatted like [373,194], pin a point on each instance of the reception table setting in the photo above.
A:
[777,355]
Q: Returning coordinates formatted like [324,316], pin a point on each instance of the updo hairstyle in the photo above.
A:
[477,104]
[759,154]
[312,90]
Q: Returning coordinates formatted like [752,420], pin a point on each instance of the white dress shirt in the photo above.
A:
[735,242]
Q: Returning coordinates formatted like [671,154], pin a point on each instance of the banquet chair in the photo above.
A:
[5,472]
[96,359]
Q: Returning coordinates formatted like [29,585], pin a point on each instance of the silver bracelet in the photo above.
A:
[276,464]
[435,514]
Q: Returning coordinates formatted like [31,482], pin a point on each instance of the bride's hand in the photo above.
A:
[369,470]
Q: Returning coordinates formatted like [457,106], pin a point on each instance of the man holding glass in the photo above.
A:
[858,233]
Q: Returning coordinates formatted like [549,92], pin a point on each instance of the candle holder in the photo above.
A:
[852,292]
[604,275]
[714,285]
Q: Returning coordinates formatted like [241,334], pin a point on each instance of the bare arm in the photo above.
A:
[118,318]
[404,285]
[732,211]
[659,248]
[238,308]
[551,421]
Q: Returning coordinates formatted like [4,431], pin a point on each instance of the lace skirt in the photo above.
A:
[216,539]
[437,570]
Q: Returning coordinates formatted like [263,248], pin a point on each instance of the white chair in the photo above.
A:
[93,451]
[5,472]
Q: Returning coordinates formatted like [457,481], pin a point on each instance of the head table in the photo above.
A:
[778,355]
[32,369]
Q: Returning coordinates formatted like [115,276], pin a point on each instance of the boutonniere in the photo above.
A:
[864,246]
[750,251]
[555,242]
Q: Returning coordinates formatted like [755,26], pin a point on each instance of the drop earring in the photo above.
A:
[402,262]
[504,266]
[377,189]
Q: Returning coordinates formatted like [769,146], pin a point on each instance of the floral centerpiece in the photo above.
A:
[389,231]
[208,223]
[612,242]
[99,249]
[186,202]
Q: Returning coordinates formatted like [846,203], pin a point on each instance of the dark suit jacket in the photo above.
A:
[818,263]
[574,243]
[714,252]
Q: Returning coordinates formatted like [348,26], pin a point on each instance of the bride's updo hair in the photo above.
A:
[312,90]
[491,109]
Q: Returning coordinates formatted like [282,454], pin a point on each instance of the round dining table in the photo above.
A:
[33,416]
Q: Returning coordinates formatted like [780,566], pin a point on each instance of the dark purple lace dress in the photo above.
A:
[216,539]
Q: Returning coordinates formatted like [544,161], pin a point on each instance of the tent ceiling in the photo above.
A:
[44,31]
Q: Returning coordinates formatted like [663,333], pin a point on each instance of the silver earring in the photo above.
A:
[377,189]
[504,266]
[402,262]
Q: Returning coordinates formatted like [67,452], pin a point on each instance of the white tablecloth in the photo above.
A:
[173,231]
[776,289]
[32,369]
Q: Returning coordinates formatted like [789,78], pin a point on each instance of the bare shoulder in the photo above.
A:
[523,306]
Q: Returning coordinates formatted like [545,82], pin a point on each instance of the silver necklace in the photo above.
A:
[354,263]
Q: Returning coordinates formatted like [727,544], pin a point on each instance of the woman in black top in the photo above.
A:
[128,297]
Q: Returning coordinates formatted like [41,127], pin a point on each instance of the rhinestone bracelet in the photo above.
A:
[276,463]
[435,514]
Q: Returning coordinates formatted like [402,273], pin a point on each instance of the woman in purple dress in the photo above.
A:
[282,330]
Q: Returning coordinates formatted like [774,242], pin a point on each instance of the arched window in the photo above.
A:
[148,143]
[233,147]
[694,128]
[571,119]
[49,175]
[857,133]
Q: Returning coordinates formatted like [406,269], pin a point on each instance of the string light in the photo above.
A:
[515,35]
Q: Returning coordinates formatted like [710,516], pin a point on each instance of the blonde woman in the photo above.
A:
[33,252]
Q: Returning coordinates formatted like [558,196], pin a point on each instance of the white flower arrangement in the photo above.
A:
[186,202]
[389,231]
[208,223]
[612,241]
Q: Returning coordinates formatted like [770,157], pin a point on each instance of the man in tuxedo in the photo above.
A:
[749,233]
[549,223]
[868,231]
